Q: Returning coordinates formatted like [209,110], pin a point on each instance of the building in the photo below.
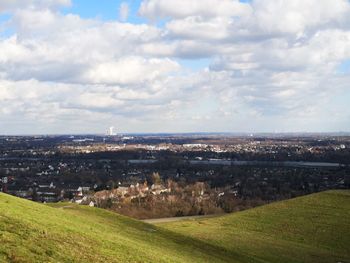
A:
[111,131]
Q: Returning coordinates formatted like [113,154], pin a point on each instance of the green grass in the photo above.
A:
[31,232]
[313,228]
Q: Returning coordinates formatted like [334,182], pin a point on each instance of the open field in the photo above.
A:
[313,228]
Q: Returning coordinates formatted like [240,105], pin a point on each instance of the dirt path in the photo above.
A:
[66,206]
[174,219]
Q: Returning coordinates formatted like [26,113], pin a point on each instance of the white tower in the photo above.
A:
[111,131]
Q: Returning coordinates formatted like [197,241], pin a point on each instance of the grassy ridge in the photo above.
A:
[314,228]
[31,232]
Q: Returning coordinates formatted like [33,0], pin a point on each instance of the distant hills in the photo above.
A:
[314,228]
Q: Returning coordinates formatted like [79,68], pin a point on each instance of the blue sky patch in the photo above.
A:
[107,11]
[344,67]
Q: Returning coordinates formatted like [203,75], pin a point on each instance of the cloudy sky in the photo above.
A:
[80,66]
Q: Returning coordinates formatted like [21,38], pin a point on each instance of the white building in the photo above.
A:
[111,131]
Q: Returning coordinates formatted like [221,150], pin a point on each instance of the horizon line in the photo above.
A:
[347,133]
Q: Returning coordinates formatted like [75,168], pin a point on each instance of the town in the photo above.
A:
[149,176]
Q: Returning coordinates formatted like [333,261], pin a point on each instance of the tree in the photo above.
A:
[156,178]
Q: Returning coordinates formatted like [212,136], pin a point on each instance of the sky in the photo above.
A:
[81,66]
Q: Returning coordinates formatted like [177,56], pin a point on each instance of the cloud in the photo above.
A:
[49,46]
[12,5]
[299,16]
[185,8]
[123,11]
[195,27]
[271,64]
[129,71]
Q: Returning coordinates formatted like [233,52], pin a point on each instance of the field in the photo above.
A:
[313,228]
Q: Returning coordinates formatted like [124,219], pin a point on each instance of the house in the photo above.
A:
[121,190]
[48,194]
[158,189]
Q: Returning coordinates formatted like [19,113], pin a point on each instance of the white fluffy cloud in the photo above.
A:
[185,8]
[269,65]
[123,11]
[11,5]
[300,16]
[129,71]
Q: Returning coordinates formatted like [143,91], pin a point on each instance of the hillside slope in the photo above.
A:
[313,228]
[31,232]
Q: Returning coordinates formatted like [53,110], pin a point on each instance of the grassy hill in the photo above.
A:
[314,228]
[31,232]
